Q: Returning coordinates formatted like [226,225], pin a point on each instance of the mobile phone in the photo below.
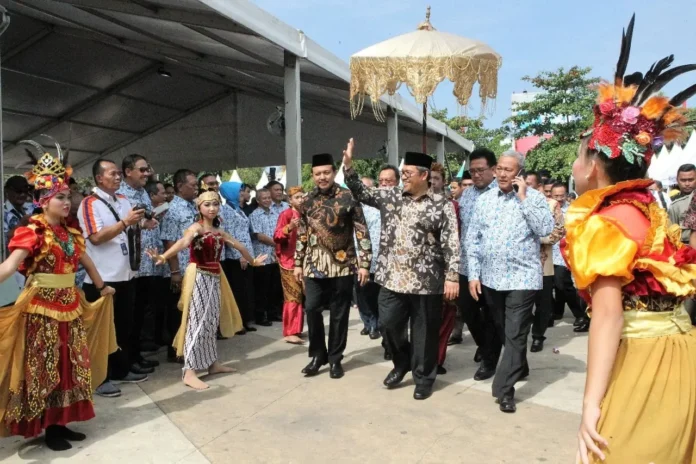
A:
[515,187]
[161,209]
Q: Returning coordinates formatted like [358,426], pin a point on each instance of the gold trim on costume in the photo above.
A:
[647,324]
[52,280]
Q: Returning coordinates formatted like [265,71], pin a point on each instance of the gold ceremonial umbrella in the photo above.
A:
[422,59]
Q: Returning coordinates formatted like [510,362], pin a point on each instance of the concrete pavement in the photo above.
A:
[269,413]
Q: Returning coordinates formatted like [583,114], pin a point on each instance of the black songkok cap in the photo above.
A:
[413,158]
[322,159]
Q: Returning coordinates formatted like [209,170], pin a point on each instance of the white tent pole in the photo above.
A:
[3,27]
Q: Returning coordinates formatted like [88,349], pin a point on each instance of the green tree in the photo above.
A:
[472,129]
[563,109]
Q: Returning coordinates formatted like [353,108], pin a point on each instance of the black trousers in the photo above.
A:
[543,309]
[367,296]
[512,316]
[424,313]
[119,361]
[336,293]
[268,292]
[173,315]
[242,284]
[566,294]
[148,305]
[473,313]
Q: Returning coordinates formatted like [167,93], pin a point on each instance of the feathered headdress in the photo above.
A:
[49,173]
[630,120]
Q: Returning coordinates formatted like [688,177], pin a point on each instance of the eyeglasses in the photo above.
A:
[478,171]
[144,170]
[408,174]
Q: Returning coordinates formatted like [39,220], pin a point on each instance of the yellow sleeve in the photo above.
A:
[598,247]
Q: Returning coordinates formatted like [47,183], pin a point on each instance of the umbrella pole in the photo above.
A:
[425,126]
[4,24]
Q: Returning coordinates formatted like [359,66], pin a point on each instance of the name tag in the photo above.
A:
[124,249]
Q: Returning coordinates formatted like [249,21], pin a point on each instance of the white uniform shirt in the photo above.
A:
[110,258]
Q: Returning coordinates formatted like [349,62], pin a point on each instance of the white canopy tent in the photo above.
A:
[187,83]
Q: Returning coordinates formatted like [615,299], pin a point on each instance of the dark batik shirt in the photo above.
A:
[419,243]
[325,246]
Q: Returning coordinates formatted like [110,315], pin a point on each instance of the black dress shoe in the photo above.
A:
[241,332]
[375,334]
[365,331]
[537,345]
[313,367]
[137,369]
[265,323]
[578,321]
[336,370]
[441,370]
[454,340]
[422,392]
[477,355]
[148,363]
[249,328]
[507,404]
[387,356]
[394,378]
[584,326]
[484,372]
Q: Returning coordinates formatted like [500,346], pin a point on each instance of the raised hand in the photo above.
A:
[259,260]
[348,154]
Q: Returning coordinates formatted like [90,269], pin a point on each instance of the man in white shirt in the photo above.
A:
[104,218]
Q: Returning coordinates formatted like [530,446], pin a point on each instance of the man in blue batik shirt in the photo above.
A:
[503,241]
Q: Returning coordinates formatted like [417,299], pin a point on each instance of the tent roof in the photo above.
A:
[92,72]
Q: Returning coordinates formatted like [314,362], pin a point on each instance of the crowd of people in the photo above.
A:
[502,250]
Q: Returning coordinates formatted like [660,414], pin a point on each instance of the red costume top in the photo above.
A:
[285,240]
[206,251]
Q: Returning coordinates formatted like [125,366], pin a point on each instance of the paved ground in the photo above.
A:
[269,413]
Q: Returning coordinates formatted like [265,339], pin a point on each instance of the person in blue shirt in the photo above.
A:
[503,246]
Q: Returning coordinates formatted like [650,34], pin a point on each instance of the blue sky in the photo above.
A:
[531,35]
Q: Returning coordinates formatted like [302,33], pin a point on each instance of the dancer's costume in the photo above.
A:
[293,313]
[54,345]
[649,410]
[206,301]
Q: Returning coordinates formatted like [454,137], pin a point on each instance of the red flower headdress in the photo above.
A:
[49,173]
[630,120]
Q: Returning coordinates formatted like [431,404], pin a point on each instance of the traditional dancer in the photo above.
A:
[286,238]
[631,266]
[206,299]
[53,344]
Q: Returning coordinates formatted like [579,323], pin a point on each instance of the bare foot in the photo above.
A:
[192,380]
[218,368]
[294,339]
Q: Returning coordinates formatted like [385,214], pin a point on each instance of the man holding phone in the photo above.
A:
[504,233]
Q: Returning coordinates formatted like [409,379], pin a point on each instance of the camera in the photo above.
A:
[147,215]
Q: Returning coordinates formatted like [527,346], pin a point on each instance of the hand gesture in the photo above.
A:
[475,289]
[107,291]
[521,187]
[348,154]
[243,263]
[363,277]
[588,435]
[259,260]
[134,216]
[298,274]
[157,258]
[294,223]
[451,290]
[150,224]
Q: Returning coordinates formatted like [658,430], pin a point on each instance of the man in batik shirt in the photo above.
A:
[418,263]
[327,260]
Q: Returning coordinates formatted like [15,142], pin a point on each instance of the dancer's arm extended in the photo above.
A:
[603,344]
[179,245]
[11,264]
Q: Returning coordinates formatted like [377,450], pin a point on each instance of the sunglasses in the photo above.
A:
[144,170]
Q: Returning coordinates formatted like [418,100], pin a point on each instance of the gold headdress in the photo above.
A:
[630,119]
[206,194]
[49,173]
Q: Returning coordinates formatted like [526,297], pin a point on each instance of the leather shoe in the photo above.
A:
[148,363]
[365,331]
[537,345]
[265,323]
[336,371]
[137,369]
[241,332]
[477,355]
[507,404]
[454,341]
[422,392]
[584,326]
[577,321]
[313,367]
[249,328]
[484,372]
[375,334]
[441,370]
[394,378]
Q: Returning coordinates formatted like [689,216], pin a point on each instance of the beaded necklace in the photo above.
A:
[64,239]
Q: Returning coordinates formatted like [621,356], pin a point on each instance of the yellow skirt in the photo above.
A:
[648,414]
